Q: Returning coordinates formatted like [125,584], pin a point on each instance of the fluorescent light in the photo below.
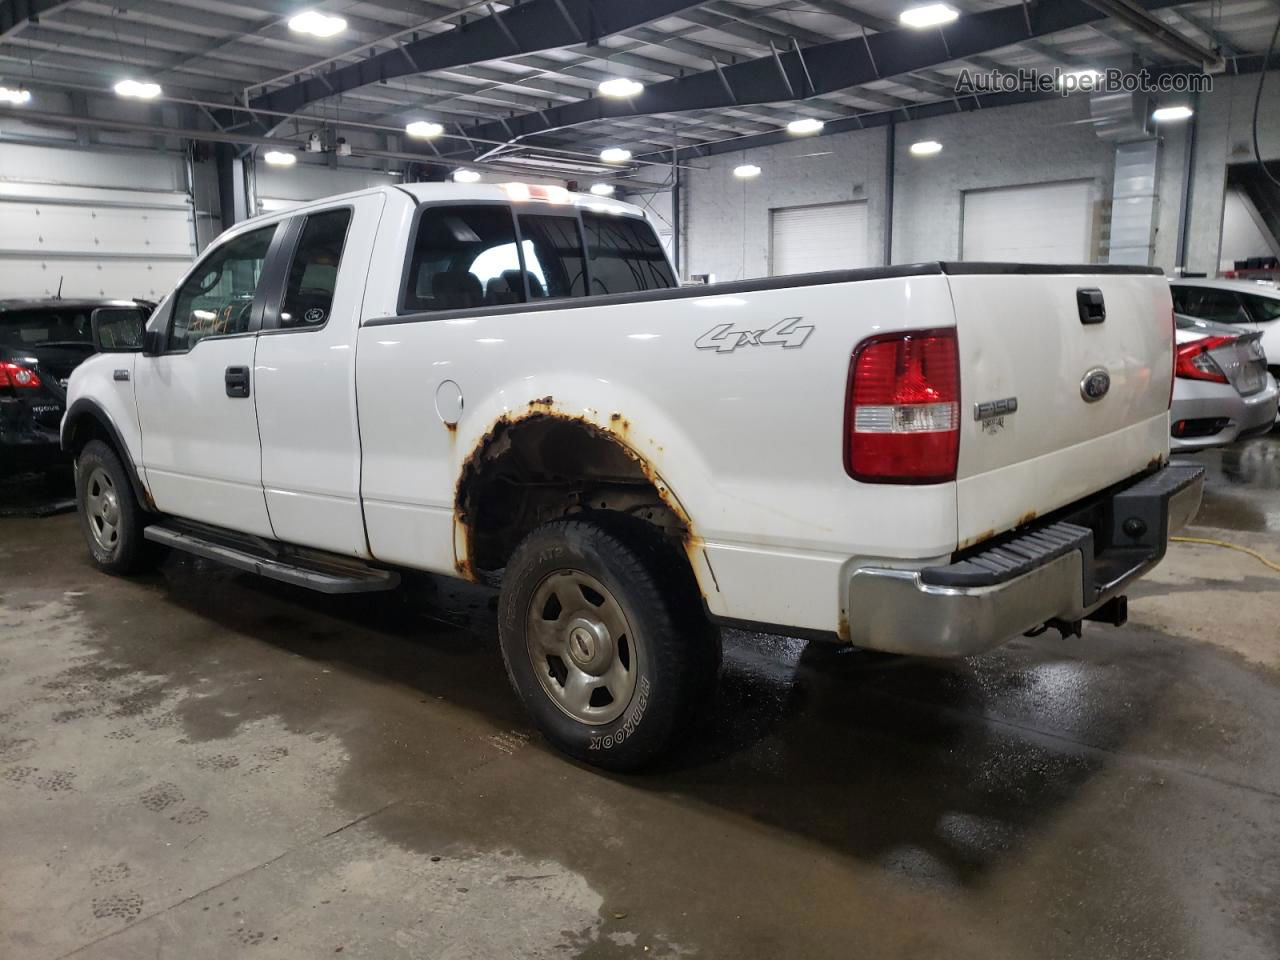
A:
[746,171]
[615,155]
[278,158]
[423,129]
[930,15]
[805,125]
[620,87]
[465,176]
[602,189]
[1165,114]
[139,90]
[317,24]
[1072,78]
[925,148]
[16,97]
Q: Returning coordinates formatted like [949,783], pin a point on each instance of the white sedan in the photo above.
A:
[1222,391]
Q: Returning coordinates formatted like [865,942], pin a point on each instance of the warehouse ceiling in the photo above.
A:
[516,83]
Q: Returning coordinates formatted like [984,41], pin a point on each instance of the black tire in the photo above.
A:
[98,469]
[672,649]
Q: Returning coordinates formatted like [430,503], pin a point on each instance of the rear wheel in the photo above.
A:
[110,516]
[603,640]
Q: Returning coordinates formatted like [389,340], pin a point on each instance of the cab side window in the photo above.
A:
[217,298]
[313,275]
[464,256]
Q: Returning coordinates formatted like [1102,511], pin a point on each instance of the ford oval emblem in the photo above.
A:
[1095,385]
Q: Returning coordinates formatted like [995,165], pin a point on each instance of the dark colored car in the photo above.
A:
[41,342]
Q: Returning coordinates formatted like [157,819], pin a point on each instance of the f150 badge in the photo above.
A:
[726,338]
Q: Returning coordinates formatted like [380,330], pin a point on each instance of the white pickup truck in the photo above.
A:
[506,384]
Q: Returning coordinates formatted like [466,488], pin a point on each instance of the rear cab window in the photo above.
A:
[491,255]
[626,256]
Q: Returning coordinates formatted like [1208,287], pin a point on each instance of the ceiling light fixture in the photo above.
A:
[465,176]
[746,171]
[137,89]
[423,129]
[317,24]
[602,189]
[1166,114]
[621,87]
[615,155]
[17,97]
[1075,79]
[925,148]
[278,158]
[804,126]
[929,15]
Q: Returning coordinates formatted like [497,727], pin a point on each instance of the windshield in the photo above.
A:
[31,328]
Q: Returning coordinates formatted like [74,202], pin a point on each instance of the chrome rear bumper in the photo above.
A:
[1064,570]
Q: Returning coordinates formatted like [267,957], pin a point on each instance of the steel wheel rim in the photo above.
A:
[102,507]
[581,647]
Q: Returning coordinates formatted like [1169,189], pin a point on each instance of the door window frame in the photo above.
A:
[268,281]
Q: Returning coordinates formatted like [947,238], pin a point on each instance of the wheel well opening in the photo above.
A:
[547,466]
[84,428]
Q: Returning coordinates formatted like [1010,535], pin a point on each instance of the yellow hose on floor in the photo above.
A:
[1231,546]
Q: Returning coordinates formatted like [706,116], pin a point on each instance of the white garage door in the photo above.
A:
[828,237]
[1044,223]
[101,224]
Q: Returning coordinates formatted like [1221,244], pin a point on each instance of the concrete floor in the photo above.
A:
[201,764]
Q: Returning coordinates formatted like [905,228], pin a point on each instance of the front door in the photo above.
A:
[200,447]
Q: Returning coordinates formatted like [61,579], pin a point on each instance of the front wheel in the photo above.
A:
[110,516]
[603,641]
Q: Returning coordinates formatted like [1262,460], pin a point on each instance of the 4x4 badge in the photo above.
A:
[725,338]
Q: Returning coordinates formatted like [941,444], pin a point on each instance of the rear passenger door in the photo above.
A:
[306,381]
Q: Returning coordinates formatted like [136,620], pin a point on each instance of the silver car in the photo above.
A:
[1222,391]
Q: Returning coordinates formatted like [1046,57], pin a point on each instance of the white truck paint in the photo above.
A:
[732,400]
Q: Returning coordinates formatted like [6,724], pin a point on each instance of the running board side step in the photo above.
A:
[340,578]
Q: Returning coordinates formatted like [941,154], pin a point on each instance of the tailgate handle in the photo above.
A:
[1092,307]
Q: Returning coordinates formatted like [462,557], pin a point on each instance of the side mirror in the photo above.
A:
[118,329]
[152,343]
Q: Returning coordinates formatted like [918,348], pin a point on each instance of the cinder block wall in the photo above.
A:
[727,220]
[727,228]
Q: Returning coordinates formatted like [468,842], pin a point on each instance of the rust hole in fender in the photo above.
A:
[543,464]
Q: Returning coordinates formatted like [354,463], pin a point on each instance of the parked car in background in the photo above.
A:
[1222,390]
[41,342]
[1243,304]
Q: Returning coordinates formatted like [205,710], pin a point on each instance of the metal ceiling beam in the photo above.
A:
[526,28]
[1243,65]
[16,14]
[822,68]
[1133,16]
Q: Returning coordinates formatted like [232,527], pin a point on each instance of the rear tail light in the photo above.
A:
[902,418]
[1194,362]
[17,376]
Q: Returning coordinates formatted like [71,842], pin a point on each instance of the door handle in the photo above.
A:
[237,380]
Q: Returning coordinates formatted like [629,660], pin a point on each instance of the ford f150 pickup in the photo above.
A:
[506,384]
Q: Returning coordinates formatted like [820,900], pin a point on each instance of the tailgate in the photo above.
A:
[1091,396]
